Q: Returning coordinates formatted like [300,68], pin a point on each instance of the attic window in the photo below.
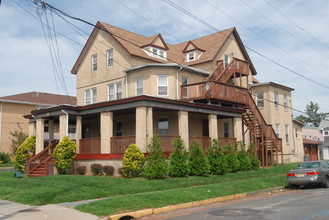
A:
[191,56]
[156,52]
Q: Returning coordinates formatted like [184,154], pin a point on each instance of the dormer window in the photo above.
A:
[156,52]
[191,56]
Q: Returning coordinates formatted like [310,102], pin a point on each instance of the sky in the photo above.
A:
[287,41]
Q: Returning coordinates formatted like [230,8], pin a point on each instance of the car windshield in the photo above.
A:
[309,165]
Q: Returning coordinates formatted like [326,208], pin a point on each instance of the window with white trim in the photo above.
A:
[139,86]
[285,101]
[162,85]
[109,56]
[90,96]
[163,128]
[276,100]
[184,89]
[227,60]
[260,99]
[287,134]
[114,91]
[277,130]
[325,133]
[191,56]
[94,62]
[156,52]
[226,129]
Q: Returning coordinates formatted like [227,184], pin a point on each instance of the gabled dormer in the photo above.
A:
[192,52]
[156,47]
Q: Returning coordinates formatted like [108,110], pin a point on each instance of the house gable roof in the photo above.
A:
[40,98]
[134,43]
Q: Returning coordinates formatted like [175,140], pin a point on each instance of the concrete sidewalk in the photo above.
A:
[16,211]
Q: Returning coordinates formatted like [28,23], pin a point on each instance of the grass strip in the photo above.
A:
[69,188]
[121,204]
[7,165]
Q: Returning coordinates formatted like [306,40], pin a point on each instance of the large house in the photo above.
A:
[275,103]
[14,107]
[130,87]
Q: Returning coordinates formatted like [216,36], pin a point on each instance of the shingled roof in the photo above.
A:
[40,98]
[134,43]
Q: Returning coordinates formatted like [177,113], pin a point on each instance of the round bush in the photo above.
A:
[64,155]
[96,169]
[133,161]
[81,170]
[24,151]
[108,170]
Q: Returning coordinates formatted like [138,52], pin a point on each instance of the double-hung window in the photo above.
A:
[163,128]
[227,60]
[191,56]
[226,130]
[260,99]
[285,101]
[90,96]
[162,85]
[287,134]
[276,100]
[94,62]
[109,55]
[277,130]
[296,132]
[114,91]
[139,86]
[184,89]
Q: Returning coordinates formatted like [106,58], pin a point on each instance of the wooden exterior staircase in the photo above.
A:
[225,85]
[38,165]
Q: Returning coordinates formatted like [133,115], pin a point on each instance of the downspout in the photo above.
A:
[1,123]
[177,86]
[67,122]
[126,85]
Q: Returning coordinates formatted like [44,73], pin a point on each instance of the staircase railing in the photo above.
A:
[41,158]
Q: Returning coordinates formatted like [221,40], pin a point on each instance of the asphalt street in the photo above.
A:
[306,204]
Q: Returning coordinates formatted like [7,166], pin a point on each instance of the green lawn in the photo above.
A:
[7,165]
[68,188]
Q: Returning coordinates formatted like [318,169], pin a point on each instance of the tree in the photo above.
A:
[217,159]
[198,162]
[24,151]
[133,161]
[312,118]
[155,166]
[17,138]
[64,155]
[178,160]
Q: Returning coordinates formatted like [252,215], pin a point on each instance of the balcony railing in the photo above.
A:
[119,144]
[215,91]
[90,146]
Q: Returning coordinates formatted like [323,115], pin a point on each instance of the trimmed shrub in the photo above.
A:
[244,158]
[81,170]
[254,161]
[24,151]
[178,160]
[96,169]
[232,158]
[133,161]
[108,170]
[155,166]
[198,162]
[4,158]
[120,171]
[216,158]
[64,155]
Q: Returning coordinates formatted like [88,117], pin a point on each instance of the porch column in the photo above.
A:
[106,131]
[63,126]
[149,124]
[183,127]
[141,126]
[40,135]
[238,129]
[51,130]
[32,128]
[78,133]
[213,127]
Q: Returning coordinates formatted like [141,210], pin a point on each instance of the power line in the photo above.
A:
[287,32]
[294,23]
[259,54]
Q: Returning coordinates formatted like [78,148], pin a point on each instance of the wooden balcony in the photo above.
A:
[119,144]
[212,90]
[90,146]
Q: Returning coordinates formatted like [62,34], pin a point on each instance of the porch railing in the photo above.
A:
[203,141]
[226,141]
[216,90]
[120,143]
[167,142]
[90,146]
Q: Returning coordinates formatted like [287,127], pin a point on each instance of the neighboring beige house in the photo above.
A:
[130,87]
[14,107]
[313,138]
[275,103]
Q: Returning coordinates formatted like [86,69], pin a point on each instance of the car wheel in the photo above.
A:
[326,182]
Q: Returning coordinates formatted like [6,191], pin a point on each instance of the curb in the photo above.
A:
[154,211]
